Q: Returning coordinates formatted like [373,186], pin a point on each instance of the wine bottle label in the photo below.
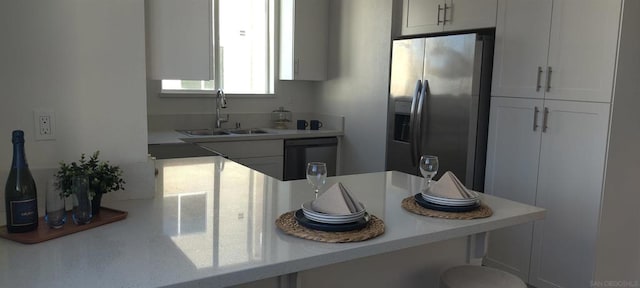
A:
[23,212]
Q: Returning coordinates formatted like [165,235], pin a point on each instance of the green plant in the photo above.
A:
[102,176]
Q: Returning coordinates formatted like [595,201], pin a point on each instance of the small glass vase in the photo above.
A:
[81,200]
[55,215]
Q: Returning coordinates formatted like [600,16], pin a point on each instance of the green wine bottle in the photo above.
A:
[20,193]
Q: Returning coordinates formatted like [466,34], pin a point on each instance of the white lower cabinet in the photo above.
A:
[513,150]
[570,178]
[266,156]
[551,154]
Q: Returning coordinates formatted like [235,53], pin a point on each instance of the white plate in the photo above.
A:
[332,220]
[475,196]
[306,207]
[346,219]
[450,202]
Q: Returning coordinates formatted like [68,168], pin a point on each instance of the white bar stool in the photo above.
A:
[470,276]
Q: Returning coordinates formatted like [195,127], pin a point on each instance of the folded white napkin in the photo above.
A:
[449,186]
[337,201]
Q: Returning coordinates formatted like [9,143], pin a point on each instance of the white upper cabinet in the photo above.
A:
[422,16]
[304,32]
[430,16]
[582,49]
[179,39]
[521,45]
[556,49]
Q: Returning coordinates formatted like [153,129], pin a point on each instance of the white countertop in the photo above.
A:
[211,224]
[172,136]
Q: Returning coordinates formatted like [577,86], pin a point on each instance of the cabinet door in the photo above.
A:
[422,16]
[272,166]
[521,45]
[179,39]
[470,14]
[512,173]
[582,49]
[304,33]
[572,158]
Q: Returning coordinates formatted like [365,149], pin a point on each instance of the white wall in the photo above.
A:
[83,59]
[359,53]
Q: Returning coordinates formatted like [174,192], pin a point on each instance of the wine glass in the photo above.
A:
[428,167]
[316,175]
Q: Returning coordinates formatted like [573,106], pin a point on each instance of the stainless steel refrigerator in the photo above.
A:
[439,104]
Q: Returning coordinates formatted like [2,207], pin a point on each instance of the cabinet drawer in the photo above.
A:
[246,149]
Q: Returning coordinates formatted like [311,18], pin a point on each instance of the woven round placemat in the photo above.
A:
[288,224]
[412,206]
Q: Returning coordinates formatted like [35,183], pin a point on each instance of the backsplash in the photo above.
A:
[246,120]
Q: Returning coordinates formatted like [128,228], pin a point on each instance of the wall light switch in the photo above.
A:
[44,124]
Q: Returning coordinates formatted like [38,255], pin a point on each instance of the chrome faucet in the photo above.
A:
[221,103]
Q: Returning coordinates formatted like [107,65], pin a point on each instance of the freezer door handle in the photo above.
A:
[412,123]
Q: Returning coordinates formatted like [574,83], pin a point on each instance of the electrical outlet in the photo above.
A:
[44,124]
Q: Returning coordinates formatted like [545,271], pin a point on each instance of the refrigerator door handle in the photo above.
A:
[412,125]
[419,120]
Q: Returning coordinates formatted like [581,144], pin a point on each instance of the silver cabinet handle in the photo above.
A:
[549,70]
[545,119]
[440,9]
[446,7]
[538,85]
[535,117]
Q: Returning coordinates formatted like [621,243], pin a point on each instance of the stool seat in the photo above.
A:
[470,276]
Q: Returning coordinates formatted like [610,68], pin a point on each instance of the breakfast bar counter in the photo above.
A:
[211,224]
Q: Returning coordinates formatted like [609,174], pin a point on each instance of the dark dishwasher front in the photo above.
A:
[299,152]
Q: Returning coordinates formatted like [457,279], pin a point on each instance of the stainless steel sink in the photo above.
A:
[203,132]
[216,132]
[248,131]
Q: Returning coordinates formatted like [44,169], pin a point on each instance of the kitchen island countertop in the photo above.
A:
[211,224]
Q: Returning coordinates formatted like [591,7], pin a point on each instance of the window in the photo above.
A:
[243,62]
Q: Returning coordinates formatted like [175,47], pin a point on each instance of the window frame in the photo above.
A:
[272,70]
